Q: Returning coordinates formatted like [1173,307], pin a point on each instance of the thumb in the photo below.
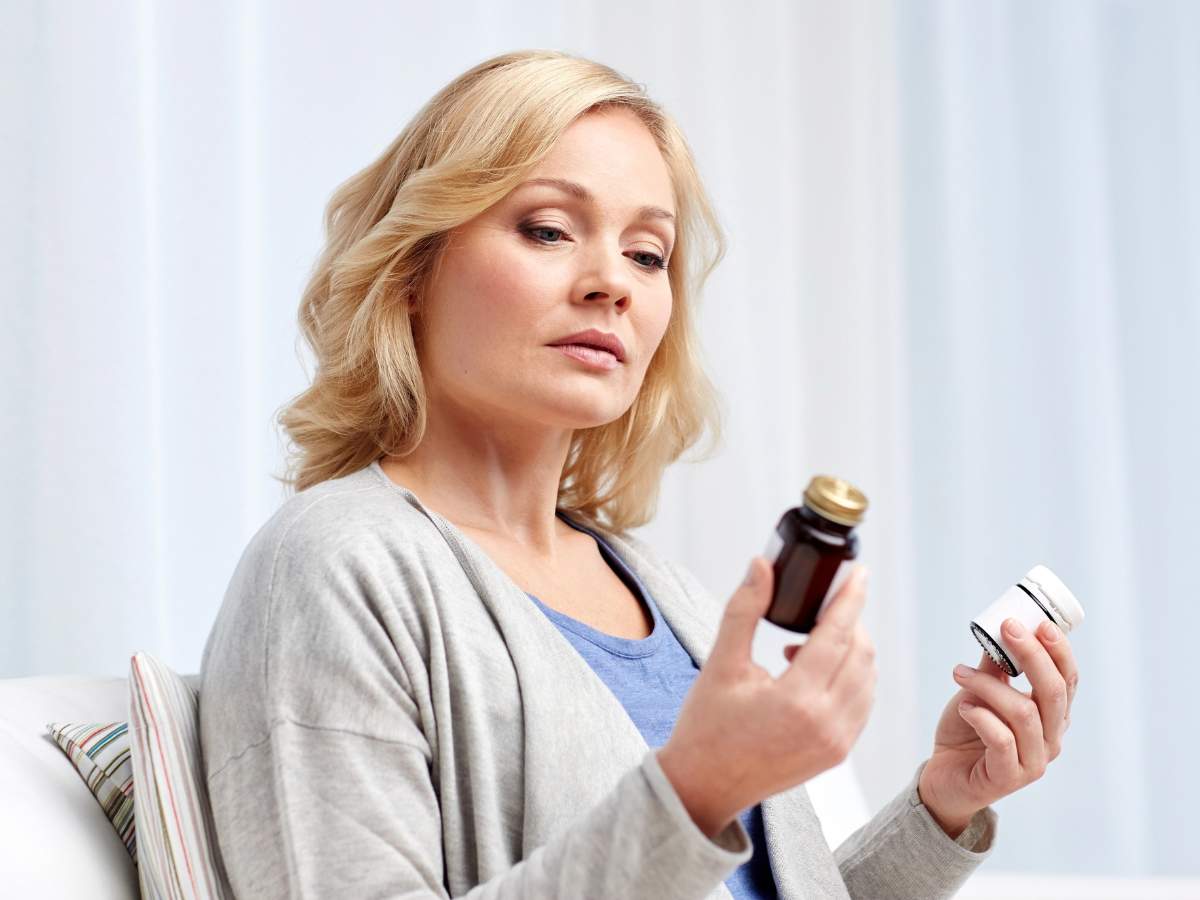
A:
[748,604]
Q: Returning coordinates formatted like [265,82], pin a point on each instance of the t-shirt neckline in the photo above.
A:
[621,646]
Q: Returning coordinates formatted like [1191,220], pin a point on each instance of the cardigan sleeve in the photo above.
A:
[311,812]
[903,853]
[324,777]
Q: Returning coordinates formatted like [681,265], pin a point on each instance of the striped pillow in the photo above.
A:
[100,754]
[179,857]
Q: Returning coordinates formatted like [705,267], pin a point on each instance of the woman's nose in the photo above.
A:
[605,280]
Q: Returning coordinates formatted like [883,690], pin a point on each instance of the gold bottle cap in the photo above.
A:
[837,500]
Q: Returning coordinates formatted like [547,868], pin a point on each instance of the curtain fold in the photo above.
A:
[1050,249]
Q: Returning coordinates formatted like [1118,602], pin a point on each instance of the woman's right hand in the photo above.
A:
[743,735]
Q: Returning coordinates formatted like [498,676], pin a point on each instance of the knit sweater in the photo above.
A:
[384,713]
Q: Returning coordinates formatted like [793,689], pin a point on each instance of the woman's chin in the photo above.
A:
[582,415]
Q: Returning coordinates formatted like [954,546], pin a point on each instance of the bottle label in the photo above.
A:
[774,545]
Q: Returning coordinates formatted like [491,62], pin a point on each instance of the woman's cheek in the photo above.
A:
[663,322]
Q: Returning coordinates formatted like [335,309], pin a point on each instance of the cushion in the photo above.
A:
[178,855]
[55,837]
[100,754]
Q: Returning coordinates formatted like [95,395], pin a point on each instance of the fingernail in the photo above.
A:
[751,574]
[1014,628]
[862,576]
[966,706]
[963,671]
[1051,632]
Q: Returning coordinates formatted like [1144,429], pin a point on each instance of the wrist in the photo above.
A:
[952,822]
[687,781]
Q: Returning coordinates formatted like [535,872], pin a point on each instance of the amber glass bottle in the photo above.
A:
[813,549]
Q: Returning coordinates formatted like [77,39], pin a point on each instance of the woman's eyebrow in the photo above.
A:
[579,192]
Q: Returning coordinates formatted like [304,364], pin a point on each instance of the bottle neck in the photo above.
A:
[814,518]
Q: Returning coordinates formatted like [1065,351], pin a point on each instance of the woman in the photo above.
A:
[444,667]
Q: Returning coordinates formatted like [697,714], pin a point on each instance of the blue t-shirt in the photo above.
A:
[650,677]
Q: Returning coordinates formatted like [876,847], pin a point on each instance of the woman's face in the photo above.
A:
[541,265]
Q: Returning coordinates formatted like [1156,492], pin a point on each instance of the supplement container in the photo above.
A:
[1038,596]
[813,549]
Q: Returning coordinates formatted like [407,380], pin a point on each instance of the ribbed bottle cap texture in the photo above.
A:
[835,499]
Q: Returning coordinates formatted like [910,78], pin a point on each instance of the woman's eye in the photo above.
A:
[534,229]
[655,262]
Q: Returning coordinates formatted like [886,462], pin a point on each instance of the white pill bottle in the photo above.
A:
[1038,596]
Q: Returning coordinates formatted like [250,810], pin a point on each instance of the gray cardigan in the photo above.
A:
[383,712]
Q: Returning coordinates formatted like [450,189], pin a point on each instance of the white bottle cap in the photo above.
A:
[1040,594]
[1067,610]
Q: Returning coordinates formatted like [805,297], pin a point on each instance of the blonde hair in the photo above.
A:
[465,149]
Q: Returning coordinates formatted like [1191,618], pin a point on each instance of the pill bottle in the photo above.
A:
[812,549]
[1039,595]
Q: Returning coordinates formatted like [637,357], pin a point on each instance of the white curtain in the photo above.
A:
[1052,253]
[964,274]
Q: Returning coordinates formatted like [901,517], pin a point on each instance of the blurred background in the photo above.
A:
[964,274]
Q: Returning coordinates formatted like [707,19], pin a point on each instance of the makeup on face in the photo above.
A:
[591,357]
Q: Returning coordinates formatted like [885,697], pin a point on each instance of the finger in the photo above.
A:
[831,638]
[854,666]
[855,706]
[1060,651]
[1000,758]
[855,682]
[988,665]
[1017,710]
[1049,688]
[745,608]
[825,609]
[852,694]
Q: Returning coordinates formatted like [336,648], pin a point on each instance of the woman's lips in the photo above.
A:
[591,356]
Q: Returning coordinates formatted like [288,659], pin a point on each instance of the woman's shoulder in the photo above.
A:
[342,519]
[335,574]
[339,550]
[336,549]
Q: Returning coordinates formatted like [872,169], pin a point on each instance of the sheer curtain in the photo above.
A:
[1052,258]
[962,274]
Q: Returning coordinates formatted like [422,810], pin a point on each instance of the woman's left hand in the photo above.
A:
[993,739]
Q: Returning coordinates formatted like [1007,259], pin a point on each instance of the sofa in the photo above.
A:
[57,841]
[103,788]
[56,838]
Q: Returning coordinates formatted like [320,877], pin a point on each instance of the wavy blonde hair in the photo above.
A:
[472,143]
